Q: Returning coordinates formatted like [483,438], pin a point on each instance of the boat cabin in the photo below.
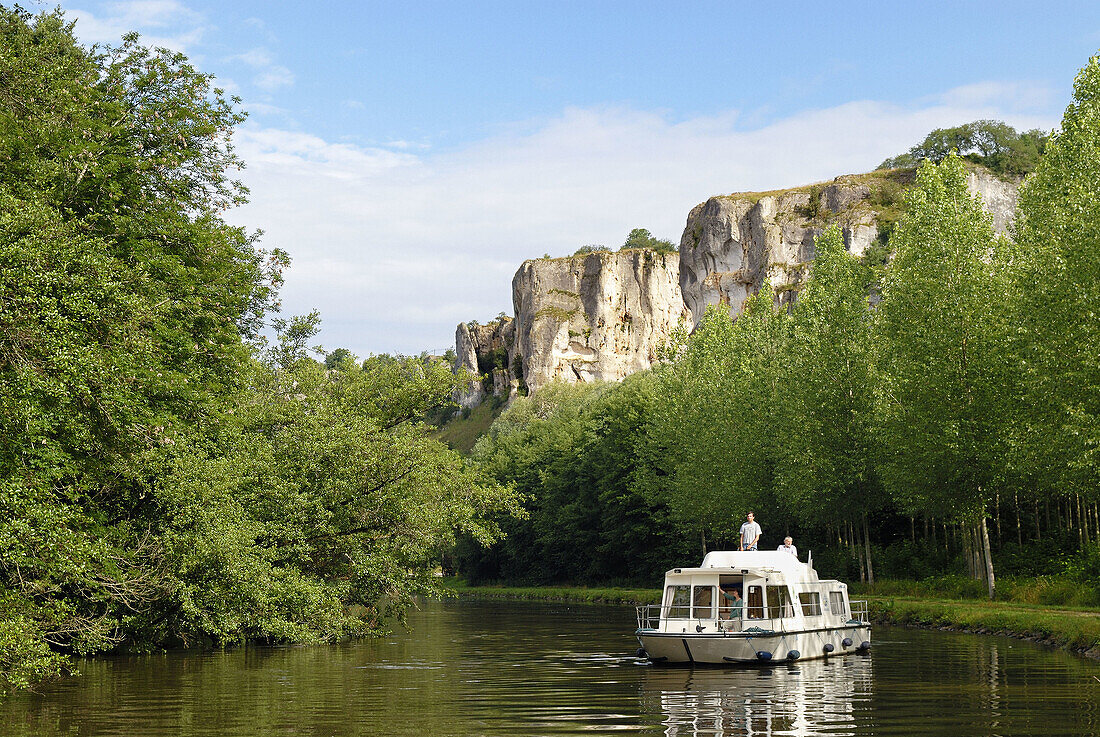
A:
[779,593]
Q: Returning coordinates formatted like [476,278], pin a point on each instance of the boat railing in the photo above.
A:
[650,616]
[858,608]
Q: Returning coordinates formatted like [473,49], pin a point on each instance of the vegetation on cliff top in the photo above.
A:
[991,143]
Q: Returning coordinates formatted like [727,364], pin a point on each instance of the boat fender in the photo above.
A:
[763,655]
[641,653]
[793,655]
[864,645]
[846,642]
[828,647]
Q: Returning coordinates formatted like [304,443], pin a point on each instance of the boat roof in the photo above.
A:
[755,561]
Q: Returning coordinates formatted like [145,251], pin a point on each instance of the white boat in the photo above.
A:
[788,613]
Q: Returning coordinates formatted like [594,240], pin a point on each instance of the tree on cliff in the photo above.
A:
[942,354]
[642,238]
[991,143]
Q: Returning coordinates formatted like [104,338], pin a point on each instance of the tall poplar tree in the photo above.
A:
[1057,278]
[942,354]
[825,466]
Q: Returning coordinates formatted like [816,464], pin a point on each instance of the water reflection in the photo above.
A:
[517,668]
[814,698]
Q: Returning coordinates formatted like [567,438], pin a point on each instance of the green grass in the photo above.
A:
[461,433]
[1074,629]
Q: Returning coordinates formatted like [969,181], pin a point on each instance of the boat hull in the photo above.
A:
[731,648]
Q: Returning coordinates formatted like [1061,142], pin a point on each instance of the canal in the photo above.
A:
[523,668]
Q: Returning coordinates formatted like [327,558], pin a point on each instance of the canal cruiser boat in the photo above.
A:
[786,613]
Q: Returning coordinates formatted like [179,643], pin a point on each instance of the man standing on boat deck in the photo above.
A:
[788,546]
[750,533]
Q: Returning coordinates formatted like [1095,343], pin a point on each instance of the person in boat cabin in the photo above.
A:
[736,603]
[788,546]
[750,533]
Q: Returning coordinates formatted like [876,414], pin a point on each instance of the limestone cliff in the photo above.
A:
[603,316]
[486,352]
[600,316]
[732,243]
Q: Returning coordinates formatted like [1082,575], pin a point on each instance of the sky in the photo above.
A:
[410,156]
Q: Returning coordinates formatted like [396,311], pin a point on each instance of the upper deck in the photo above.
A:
[774,564]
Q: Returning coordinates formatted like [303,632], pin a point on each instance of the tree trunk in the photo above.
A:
[988,562]
[1019,531]
[703,538]
[858,555]
[867,547]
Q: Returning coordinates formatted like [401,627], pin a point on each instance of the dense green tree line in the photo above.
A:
[165,479]
[949,419]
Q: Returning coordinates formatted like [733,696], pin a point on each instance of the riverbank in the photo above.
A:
[1077,630]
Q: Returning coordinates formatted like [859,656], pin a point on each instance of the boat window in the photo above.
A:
[837,603]
[678,602]
[703,602]
[755,601]
[779,602]
[811,603]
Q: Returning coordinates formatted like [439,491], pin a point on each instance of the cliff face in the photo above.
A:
[485,351]
[601,316]
[732,243]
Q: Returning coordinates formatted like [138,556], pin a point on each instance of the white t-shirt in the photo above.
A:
[792,549]
[749,532]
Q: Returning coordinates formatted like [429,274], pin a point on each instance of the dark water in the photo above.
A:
[516,668]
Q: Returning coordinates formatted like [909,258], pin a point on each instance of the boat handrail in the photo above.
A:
[858,610]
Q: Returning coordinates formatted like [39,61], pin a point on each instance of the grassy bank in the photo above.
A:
[1075,629]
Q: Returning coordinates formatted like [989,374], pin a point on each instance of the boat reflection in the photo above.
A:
[819,697]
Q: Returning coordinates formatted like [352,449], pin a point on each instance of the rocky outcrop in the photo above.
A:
[732,243]
[486,352]
[604,316]
[597,317]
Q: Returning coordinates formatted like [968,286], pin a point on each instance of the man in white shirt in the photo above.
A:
[788,546]
[750,533]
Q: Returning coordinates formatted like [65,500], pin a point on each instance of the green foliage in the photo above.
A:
[642,238]
[158,485]
[579,456]
[718,414]
[991,143]
[591,248]
[1055,275]
[825,467]
[942,351]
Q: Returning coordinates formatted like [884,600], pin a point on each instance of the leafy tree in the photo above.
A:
[988,142]
[322,490]
[719,415]
[590,248]
[642,238]
[825,470]
[942,353]
[1056,273]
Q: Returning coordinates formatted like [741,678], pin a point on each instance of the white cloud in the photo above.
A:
[164,23]
[271,76]
[396,247]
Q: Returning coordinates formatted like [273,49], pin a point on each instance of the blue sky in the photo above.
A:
[410,156]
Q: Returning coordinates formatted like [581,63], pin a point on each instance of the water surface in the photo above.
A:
[527,668]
